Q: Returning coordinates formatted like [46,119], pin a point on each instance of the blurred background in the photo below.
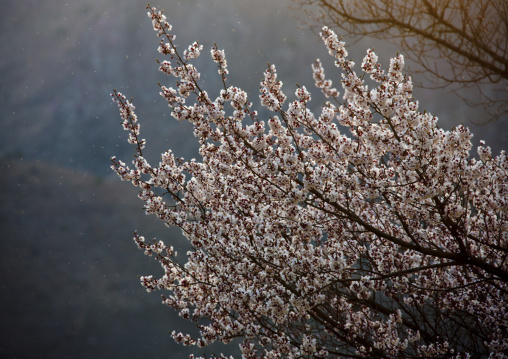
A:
[68,265]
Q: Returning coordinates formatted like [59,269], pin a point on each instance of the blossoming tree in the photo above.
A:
[307,241]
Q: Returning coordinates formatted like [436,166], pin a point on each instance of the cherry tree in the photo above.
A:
[362,231]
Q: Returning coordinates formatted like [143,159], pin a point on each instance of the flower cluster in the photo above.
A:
[389,241]
[272,96]
[319,77]
[219,57]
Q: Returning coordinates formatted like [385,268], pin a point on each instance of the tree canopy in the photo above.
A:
[362,231]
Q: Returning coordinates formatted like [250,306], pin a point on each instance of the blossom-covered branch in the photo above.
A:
[309,241]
